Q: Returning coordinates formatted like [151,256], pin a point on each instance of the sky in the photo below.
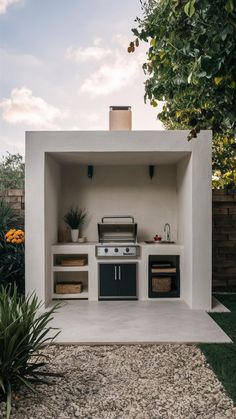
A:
[63,63]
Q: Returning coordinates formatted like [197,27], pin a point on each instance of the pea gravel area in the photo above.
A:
[136,381]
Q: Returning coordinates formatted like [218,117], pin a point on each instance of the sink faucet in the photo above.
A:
[167,230]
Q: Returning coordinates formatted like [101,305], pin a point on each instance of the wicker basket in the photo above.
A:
[74,261]
[161,284]
[69,288]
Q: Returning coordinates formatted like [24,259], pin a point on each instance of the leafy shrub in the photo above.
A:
[23,333]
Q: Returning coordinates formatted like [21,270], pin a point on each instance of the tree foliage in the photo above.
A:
[12,171]
[191,66]
[223,162]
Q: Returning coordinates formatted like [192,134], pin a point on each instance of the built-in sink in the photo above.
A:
[159,242]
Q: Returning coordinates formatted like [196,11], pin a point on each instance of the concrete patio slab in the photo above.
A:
[127,322]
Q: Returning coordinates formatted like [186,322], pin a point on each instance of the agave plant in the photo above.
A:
[8,218]
[12,265]
[23,333]
[75,217]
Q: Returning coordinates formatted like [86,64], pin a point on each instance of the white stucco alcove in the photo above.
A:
[179,193]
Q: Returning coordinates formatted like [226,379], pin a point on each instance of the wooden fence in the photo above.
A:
[224,240]
[16,198]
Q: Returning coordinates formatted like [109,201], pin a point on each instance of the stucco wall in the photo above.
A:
[52,196]
[224,231]
[120,144]
[201,223]
[184,192]
[122,190]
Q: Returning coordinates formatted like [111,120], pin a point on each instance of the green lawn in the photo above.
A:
[222,356]
[229,300]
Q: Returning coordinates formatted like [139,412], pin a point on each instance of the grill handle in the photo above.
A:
[117,216]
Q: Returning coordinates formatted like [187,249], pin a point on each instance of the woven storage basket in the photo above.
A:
[74,261]
[160,284]
[69,288]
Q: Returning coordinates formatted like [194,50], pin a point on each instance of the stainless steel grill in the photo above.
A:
[117,237]
[117,231]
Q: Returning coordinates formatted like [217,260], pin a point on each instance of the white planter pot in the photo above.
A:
[74,235]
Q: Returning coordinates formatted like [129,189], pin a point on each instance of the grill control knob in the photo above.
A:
[116,250]
[127,249]
[106,250]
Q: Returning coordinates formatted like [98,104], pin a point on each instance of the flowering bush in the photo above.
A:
[15,236]
[12,258]
[12,262]
[12,248]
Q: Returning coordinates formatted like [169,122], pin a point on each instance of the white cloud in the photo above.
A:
[24,108]
[4,4]
[95,53]
[110,77]
[117,70]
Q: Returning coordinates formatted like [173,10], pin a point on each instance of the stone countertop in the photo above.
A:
[93,243]
[87,243]
[146,248]
[159,244]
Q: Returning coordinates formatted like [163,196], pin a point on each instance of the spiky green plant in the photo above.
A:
[8,218]
[75,217]
[12,264]
[24,330]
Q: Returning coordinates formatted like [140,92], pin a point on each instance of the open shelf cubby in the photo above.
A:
[70,272]
[163,276]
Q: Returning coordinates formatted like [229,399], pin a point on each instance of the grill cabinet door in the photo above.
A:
[108,280]
[127,280]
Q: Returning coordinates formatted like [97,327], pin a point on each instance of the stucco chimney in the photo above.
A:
[120,118]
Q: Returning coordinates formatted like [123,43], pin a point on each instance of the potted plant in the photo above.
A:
[74,218]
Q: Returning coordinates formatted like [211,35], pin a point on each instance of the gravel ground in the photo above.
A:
[119,382]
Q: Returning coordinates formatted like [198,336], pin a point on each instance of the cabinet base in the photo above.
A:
[117,298]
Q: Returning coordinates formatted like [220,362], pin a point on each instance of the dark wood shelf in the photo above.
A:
[164,274]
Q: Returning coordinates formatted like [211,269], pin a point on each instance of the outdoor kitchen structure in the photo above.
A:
[134,185]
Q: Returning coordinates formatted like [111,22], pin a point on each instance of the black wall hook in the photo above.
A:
[151,171]
[90,172]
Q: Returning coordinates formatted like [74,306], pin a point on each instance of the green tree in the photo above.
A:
[191,66]
[12,171]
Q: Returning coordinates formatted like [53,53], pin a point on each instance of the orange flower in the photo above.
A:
[15,236]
